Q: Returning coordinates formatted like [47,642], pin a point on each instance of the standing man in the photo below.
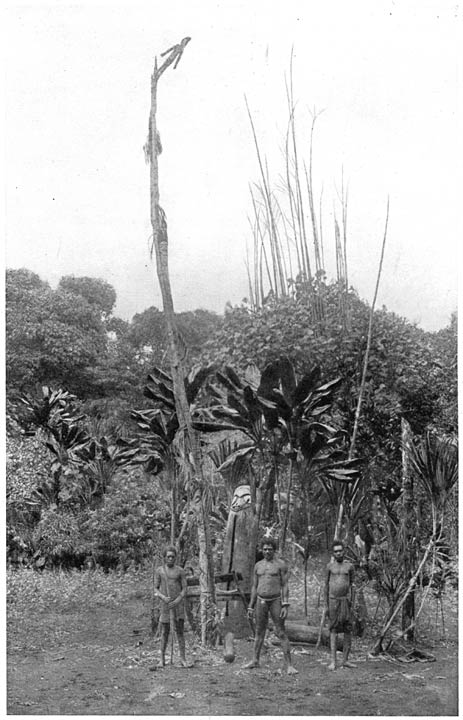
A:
[170,588]
[339,592]
[269,595]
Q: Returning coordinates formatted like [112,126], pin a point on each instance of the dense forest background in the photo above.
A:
[89,480]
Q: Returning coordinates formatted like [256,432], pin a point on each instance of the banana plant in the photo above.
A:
[237,406]
[102,459]
[313,447]
[159,445]
[67,444]
[48,408]
[283,421]
[232,464]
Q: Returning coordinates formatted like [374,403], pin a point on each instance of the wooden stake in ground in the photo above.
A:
[187,435]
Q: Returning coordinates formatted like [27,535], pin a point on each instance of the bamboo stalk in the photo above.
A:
[299,202]
[263,251]
[321,230]
[299,256]
[266,194]
[370,331]
[363,379]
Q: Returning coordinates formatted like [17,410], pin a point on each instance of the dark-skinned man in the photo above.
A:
[170,587]
[270,598]
[339,592]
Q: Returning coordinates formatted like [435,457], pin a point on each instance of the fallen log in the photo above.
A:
[222,577]
[299,632]
[195,592]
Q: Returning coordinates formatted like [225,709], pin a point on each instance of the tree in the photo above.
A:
[97,292]
[52,337]
[148,335]
[401,373]
[445,378]
[190,438]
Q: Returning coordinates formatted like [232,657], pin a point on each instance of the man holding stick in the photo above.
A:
[339,591]
[170,587]
[269,595]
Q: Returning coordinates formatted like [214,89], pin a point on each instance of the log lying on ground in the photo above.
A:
[299,632]
[195,592]
[223,577]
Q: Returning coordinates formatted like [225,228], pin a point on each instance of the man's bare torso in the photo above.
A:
[170,580]
[269,577]
[339,579]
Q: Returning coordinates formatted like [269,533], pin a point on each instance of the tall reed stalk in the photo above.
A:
[352,491]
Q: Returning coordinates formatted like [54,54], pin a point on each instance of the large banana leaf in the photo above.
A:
[307,383]
[195,381]
[241,453]
[288,380]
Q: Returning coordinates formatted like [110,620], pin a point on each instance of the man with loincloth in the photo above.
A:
[338,602]
[170,588]
[269,595]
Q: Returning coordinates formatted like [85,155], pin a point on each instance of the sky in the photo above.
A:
[387,76]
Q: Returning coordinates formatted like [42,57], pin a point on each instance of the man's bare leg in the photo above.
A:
[261,629]
[332,665]
[165,628]
[279,625]
[259,641]
[181,643]
[346,645]
[286,647]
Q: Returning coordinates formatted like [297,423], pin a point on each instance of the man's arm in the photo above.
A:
[183,585]
[284,584]
[157,585]
[284,590]
[327,586]
[351,583]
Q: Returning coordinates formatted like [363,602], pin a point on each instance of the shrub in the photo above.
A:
[132,519]
[57,539]
[27,467]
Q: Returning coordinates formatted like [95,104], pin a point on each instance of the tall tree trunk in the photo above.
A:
[408,609]
[190,439]
[287,514]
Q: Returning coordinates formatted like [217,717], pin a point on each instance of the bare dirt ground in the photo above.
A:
[70,658]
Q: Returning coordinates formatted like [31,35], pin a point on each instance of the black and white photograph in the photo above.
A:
[230,393]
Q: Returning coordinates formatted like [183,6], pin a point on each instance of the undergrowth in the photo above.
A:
[32,591]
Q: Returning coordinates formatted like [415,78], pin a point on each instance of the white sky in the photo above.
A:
[77,103]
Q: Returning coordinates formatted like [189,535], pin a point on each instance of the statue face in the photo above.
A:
[241,498]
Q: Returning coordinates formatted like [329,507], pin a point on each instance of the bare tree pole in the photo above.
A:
[363,380]
[188,435]
[409,556]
